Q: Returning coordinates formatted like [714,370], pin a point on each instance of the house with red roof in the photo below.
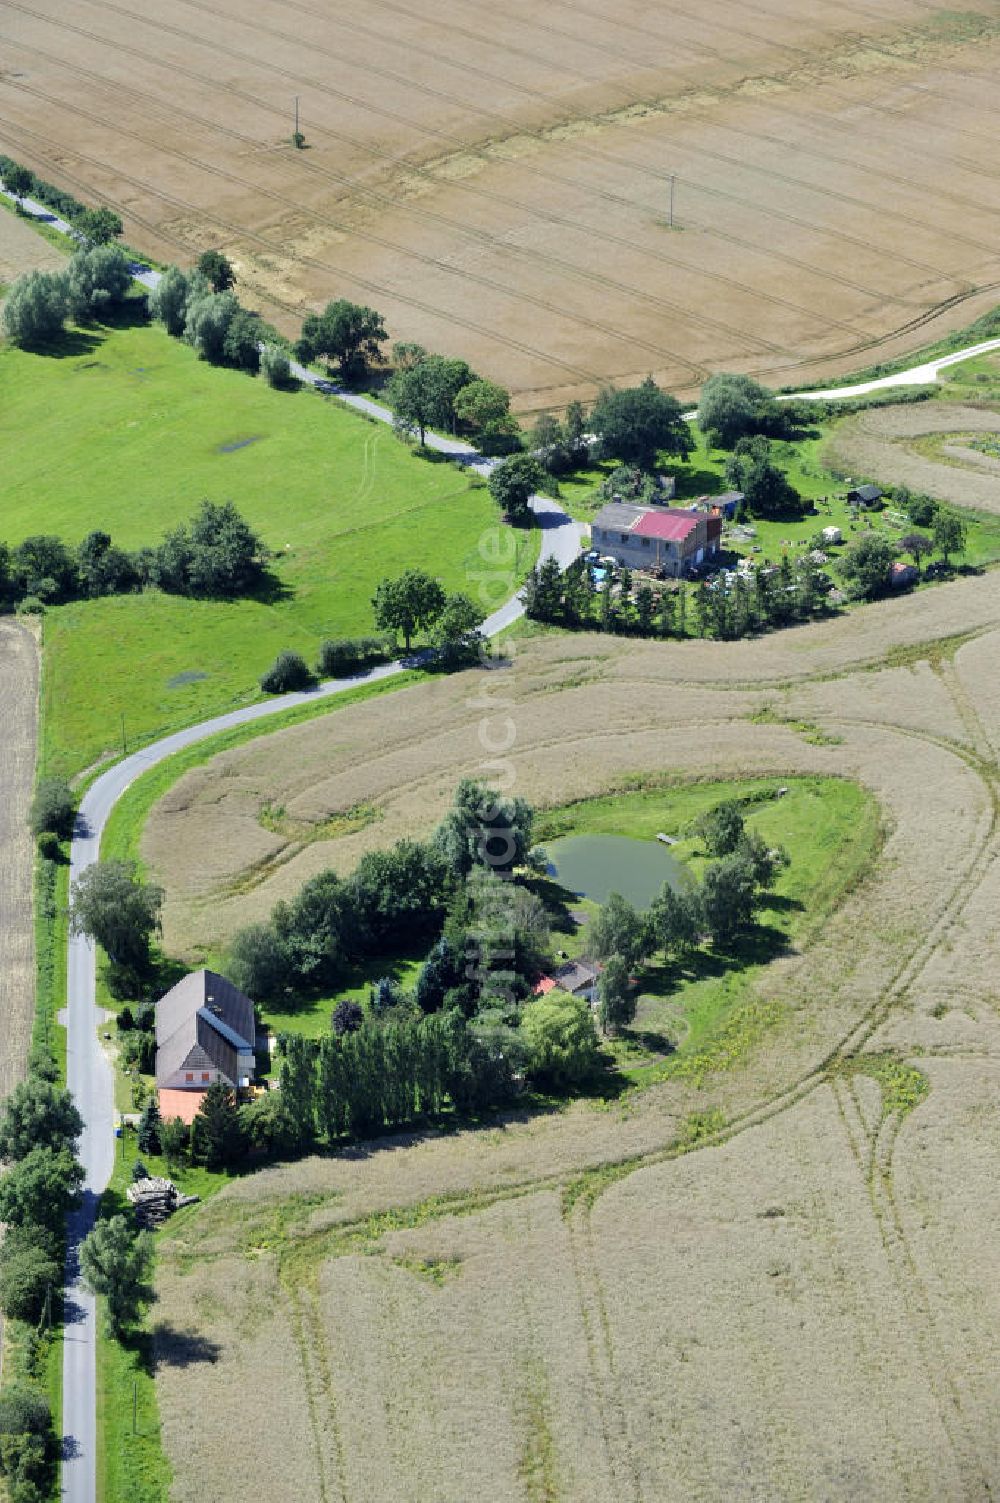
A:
[670,541]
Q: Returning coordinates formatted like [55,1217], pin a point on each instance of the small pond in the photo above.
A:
[596,865]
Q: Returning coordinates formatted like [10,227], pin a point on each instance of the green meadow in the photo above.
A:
[124,429]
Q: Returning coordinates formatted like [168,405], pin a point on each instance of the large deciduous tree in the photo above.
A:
[217,270]
[562,1048]
[97,281]
[638,423]
[38,1114]
[733,407]
[456,633]
[618,929]
[485,408]
[35,308]
[616,997]
[866,565]
[750,469]
[512,484]
[949,534]
[98,226]
[41,1188]
[422,393]
[484,828]
[114,907]
[410,603]
[18,180]
[116,1262]
[349,334]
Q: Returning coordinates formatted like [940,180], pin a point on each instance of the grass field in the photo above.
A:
[137,433]
[506,197]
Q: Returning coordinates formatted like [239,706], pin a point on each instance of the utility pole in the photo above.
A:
[135,1406]
[672,181]
[124,747]
[296,114]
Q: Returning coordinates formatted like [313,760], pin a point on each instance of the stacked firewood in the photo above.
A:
[155,1199]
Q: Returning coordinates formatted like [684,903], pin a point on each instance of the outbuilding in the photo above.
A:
[865,495]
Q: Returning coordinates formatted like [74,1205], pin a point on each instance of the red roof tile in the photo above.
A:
[183,1104]
[672,526]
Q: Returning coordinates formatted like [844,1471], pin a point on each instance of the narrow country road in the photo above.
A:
[88,1074]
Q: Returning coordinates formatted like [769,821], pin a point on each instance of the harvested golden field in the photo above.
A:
[927,447]
[773,1277]
[499,184]
[19,697]
[22,249]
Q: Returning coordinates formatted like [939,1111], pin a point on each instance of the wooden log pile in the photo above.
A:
[155,1199]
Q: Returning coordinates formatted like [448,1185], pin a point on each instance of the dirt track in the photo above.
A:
[19,698]
[500,190]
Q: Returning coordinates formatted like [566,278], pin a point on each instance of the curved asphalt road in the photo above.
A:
[89,1076]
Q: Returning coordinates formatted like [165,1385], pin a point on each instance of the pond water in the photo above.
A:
[596,865]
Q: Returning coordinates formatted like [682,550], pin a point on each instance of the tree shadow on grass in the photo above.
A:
[557,900]
[268,589]
[68,344]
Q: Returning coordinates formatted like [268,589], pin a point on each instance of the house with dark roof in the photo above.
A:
[205,1032]
[672,541]
[578,977]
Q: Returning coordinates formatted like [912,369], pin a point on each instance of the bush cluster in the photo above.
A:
[96,281]
[216,555]
[342,656]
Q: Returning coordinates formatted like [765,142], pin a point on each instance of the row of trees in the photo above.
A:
[93,226]
[40,1185]
[216,554]
[769,597]
[723,908]
[199,307]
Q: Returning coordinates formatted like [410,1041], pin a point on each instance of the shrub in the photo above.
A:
[48,845]
[341,656]
[275,366]
[30,606]
[175,1136]
[921,509]
[288,671]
